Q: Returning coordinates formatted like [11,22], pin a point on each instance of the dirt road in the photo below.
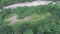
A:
[28,4]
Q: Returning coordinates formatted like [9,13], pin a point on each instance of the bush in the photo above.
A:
[50,23]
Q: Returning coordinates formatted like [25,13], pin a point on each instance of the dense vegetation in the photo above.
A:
[45,20]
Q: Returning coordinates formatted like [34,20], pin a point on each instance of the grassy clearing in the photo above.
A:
[36,17]
[44,20]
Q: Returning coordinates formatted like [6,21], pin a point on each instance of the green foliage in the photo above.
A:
[45,20]
[28,31]
[6,30]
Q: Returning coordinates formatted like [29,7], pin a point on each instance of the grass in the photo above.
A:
[45,19]
[36,17]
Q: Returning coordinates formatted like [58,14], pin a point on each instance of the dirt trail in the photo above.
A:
[28,4]
[14,19]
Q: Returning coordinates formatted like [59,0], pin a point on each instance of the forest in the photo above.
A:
[45,20]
